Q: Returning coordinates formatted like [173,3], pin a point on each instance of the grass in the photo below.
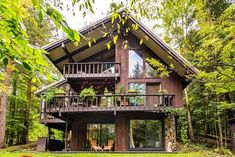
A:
[29,150]
[36,154]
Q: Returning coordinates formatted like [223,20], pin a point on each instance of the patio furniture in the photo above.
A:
[94,146]
[109,146]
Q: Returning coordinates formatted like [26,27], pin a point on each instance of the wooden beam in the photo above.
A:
[66,136]
[67,53]
[78,51]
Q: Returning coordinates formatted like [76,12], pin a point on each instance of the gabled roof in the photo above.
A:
[64,51]
[54,84]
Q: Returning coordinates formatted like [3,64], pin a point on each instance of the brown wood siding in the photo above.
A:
[121,133]
[173,84]
[78,135]
[121,55]
[152,89]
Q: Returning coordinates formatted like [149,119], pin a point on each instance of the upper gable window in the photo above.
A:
[150,72]
[138,67]
[136,64]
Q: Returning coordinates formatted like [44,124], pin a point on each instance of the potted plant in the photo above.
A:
[132,91]
[87,94]
[122,90]
[49,94]
[124,100]
[163,92]
[60,91]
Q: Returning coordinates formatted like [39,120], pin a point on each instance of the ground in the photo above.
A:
[29,150]
[7,154]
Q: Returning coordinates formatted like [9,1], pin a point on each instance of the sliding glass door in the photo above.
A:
[145,134]
[101,133]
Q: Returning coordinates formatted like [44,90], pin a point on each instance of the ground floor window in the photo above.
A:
[101,133]
[146,134]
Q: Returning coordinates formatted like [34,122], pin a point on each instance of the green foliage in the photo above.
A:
[132,91]
[88,93]
[49,94]
[182,122]
[122,90]
[164,91]
[106,90]
[159,67]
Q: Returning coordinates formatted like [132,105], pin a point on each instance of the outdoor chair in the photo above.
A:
[109,146]
[94,146]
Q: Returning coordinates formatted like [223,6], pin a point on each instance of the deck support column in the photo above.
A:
[121,132]
[170,134]
[78,135]
[66,136]
[48,137]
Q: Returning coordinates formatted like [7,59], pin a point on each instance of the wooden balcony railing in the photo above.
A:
[91,70]
[114,102]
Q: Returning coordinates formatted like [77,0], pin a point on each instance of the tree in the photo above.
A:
[137,72]
[16,51]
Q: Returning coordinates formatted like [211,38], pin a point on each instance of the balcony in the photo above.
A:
[113,102]
[92,70]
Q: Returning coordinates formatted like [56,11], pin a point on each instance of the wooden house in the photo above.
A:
[129,111]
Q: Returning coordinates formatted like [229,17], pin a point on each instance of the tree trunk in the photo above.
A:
[12,111]
[190,125]
[206,119]
[27,110]
[3,107]
[216,134]
[225,130]
[220,133]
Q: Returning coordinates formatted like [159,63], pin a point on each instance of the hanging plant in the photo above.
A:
[88,93]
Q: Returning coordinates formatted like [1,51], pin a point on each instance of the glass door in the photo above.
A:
[101,133]
[145,134]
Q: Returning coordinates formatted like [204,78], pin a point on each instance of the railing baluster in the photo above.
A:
[102,69]
[93,68]
[64,103]
[105,69]
[69,72]
[96,101]
[89,69]
[85,68]
[77,69]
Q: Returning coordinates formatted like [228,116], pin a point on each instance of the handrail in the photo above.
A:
[95,63]
[98,95]
[114,101]
[91,69]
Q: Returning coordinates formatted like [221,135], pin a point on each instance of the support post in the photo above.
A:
[48,137]
[66,135]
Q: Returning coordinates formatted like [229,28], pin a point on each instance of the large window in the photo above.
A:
[146,134]
[136,64]
[100,132]
[138,67]
[140,89]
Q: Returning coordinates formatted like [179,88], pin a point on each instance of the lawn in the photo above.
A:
[33,154]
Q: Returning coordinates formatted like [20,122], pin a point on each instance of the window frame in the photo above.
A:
[162,148]
[145,55]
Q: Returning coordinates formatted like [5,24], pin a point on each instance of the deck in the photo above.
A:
[110,103]
[92,70]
